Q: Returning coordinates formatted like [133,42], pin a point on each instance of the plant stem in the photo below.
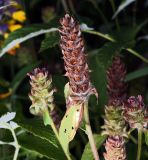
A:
[105,36]
[66,9]
[137,55]
[133,139]
[139,144]
[48,120]
[134,13]
[15,143]
[71,6]
[17,146]
[16,153]
[89,133]
[114,9]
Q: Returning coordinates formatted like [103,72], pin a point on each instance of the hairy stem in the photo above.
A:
[139,144]
[89,133]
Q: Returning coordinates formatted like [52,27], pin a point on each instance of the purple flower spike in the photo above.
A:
[136,113]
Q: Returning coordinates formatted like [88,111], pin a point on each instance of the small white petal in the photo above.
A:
[7,117]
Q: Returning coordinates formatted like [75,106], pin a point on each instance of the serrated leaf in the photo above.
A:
[50,41]
[136,74]
[70,124]
[7,117]
[37,128]
[41,146]
[24,34]
[87,153]
[18,78]
[122,6]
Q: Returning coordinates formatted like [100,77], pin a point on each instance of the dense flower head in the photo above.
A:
[41,90]
[136,113]
[74,56]
[114,122]
[116,85]
[115,148]
[42,94]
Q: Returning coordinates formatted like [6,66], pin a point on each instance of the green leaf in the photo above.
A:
[59,82]
[19,77]
[146,137]
[128,38]
[99,63]
[70,124]
[37,128]
[50,41]
[24,34]
[41,146]
[106,53]
[87,153]
[125,40]
[136,74]
[122,6]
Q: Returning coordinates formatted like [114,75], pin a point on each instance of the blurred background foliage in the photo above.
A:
[109,27]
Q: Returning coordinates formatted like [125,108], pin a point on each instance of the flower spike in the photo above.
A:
[116,85]
[74,56]
[42,94]
[136,113]
[115,149]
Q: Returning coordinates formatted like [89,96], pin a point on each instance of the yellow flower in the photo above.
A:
[12,51]
[14,27]
[19,16]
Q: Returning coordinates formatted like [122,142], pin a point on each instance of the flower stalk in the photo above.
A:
[139,144]
[89,133]
[48,120]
